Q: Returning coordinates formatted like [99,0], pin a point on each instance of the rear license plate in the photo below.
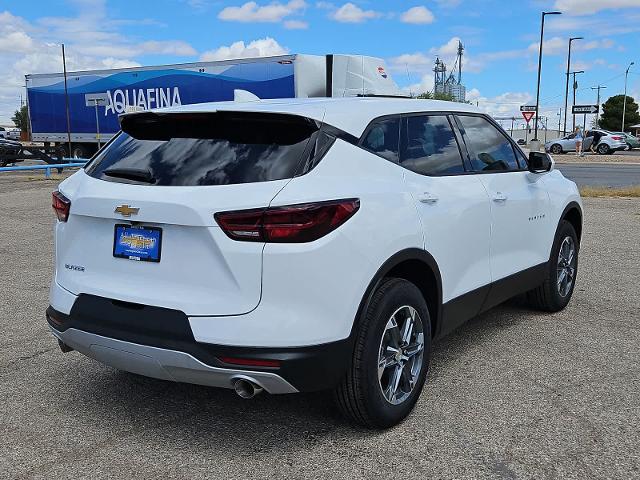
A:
[137,243]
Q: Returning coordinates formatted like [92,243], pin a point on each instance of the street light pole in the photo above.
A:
[544,14]
[566,92]
[624,102]
[598,102]
[575,87]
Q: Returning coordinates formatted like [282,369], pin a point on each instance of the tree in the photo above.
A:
[611,118]
[437,96]
[21,118]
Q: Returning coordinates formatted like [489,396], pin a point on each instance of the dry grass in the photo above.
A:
[633,191]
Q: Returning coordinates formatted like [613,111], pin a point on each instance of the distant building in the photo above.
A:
[449,84]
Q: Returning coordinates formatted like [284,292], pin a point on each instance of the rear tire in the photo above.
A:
[556,290]
[603,149]
[367,394]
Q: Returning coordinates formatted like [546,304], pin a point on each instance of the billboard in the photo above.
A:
[148,88]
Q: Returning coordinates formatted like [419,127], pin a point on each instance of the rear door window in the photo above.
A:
[430,146]
[382,138]
[490,149]
[221,148]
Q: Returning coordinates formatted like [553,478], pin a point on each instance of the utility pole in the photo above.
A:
[66,100]
[566,93]
[624,102]
[575,87]
[560,119]
[598,103]
[544,14]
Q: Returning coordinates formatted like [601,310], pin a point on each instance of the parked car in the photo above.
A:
[306,244]
[521,142]
[13,134]
[609,143]
[3,132]
[632,140]
[8,148]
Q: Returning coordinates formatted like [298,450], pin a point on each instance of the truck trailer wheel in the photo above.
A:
[81,150]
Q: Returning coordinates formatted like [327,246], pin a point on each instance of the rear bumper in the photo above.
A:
[158,342]
[165,364]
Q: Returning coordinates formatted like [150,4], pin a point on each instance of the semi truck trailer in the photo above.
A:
[96,98]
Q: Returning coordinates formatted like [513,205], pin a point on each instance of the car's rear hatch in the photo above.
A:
[173,172]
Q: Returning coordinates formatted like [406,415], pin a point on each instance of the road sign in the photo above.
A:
[528,116]
[584,109]
[95,99]
[527,108]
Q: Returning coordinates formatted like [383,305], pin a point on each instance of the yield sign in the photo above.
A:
[528,115]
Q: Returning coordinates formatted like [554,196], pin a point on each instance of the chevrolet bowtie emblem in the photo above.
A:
[126,210]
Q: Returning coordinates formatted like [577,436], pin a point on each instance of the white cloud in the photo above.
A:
[16,42]
[560,46]
[448,52]
[295,25]
[350,13]
[118,63]
[589,7]
[92,39]
[417,15]
[503,105]
[423,62]
[166,47]
[424,85]
[252,12]
[264,47]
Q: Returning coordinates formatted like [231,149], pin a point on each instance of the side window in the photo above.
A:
[382,138]
[522,159]
[490,149]
[431,147]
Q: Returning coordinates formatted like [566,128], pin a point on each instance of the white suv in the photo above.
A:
[301,245]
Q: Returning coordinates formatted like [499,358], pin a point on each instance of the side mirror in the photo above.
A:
[539,162]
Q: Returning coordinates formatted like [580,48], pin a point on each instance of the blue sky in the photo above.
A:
[500,38]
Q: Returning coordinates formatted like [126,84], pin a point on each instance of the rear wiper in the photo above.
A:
[136,174]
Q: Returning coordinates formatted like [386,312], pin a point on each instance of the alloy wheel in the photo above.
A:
[401,354]
[566,266]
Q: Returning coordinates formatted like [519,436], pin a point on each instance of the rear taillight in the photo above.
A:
[289,224]
[616,137]
[61,206]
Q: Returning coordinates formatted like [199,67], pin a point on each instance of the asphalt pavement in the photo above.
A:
[512,394]
[601,175]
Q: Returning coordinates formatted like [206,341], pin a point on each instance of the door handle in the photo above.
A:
[429,198]
[499,197]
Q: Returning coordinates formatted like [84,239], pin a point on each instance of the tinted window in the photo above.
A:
[522,159]
[431,147]
[490,149]
[205,149]
[382,138]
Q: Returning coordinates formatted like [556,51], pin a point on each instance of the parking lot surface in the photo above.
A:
[512,394]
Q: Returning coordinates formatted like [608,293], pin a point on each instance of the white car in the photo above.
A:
[13,134]
[305,244]
[609,143]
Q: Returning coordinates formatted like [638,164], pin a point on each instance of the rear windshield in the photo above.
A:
[207,149]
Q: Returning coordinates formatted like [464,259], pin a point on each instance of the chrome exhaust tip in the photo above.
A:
[246,389]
